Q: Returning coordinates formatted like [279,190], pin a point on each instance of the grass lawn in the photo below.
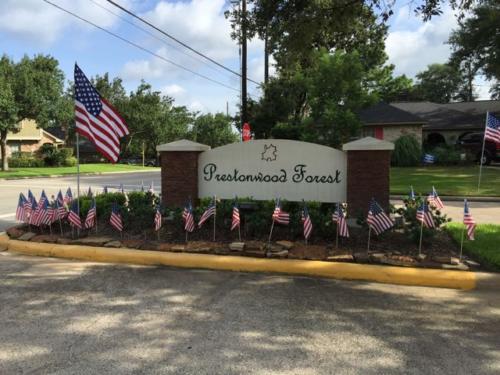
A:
[460,181]
[485,248]
[84,168]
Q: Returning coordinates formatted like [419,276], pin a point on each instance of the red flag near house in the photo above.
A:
[246,134]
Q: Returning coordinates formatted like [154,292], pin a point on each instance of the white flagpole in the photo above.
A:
[369,235]
[78,178]
[462,243]
[482,152]
[270,233]
[337,236]
[215,213]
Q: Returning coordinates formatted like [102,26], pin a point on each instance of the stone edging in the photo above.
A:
[348,271]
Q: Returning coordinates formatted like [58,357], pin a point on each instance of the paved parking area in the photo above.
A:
[70,317]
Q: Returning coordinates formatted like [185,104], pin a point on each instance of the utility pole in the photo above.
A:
[244,114]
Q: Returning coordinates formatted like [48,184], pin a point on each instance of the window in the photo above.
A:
[15,147]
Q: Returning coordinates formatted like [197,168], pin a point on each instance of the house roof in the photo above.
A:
[28,131]
[387,114]
[479,107]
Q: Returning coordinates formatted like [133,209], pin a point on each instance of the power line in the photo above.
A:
[141,47]
[155,36]
[178,41]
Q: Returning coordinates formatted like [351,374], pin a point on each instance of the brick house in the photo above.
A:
[29,138]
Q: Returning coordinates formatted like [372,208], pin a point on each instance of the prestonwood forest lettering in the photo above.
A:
[298,175]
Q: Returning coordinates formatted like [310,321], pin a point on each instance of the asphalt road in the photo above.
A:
[69,317]
[9,189]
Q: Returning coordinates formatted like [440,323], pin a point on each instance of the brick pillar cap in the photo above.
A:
[368,144]
[182,145]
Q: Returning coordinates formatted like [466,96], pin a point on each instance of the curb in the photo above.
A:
[74,174]
[453,198]
[346,271]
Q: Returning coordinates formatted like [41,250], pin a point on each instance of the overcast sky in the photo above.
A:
[33,26]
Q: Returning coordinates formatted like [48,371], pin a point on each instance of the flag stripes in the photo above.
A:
[470,223]
[377,219]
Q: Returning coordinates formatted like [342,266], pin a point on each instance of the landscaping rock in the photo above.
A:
[257,253]
[458,267]
[132,243]
[274,249]
[377,257]
[472,264]
[401,261]
[177,248]
[198,250]
[454,261]
[422,257]
[285,244]
[15,232]
[94,241]
[442,259]
[361,257]
[237,246]
[255,245]
[113,244]
[341,258]
[47,238]
[278,254]
[27,236]
[64,241]
[221,251]
[312,252]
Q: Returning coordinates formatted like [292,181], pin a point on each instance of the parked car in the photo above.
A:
[473,144]
[149,162]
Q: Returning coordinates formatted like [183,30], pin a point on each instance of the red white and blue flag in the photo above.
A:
[61,210]
[96,119]
[235,220]
[342,228]
[469,221]
[116,218]
[335,215]
[280,216]
[187,216]
[41,211]
[20,211]
[492,131]
[377,219]
[33,207]
[434,199]
[209,212]
[73,217]
[90,220]
[157,221]
[68,197]
[306,222]
[424,215]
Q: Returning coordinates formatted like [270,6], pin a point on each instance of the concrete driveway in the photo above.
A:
[68,317]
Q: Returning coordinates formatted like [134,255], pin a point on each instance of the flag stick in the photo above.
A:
[462,243]
[369,235]
[186,235]
[482,152]
[158,234]
[270,233]
[420,242]
[215,214]
[239,232]
[337,236]
[60,224]
[78,178]
[50,229]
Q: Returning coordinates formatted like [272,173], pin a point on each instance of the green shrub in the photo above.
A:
[407,151]
[446,155]
[24,160]
[57,157]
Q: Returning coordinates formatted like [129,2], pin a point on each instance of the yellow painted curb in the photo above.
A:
[349,271]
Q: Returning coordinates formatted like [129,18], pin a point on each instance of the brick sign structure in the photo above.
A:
[267,169]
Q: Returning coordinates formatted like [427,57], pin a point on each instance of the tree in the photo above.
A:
[477,42]
[213,130]
[33,87]
[439,83]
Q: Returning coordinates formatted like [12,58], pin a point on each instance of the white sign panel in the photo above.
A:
[268,169]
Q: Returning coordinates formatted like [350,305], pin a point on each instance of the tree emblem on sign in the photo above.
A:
[270,153]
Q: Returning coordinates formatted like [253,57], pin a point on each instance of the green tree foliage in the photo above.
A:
[213,130]
[439,83]
[406,152]
[36,86]
[477,42]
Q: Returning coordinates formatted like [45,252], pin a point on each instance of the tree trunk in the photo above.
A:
[3,146]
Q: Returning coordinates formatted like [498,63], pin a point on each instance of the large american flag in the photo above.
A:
[73,217]
[235,220]
[492,131]
[306,222]
[434,199]
[377,219]
[424,215]
[116,218]
[469,221]
[20,211]
[96,119]
[280,216]
[187,216]
[210,211]
[157,221]
[91,216]
[342,223]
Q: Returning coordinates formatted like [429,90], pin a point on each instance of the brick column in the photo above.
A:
[179,171]
[368,174]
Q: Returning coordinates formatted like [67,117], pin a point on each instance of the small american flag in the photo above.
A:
[73,217]
[41,212]
[116,218]
[492,131]
[424,215]
[429,159]
[377,219]
[411,196]
[96,119]
[307,223]
[469,221]
[91,216]
[27,208]
[89,193]
[235,221]
[33,207]
[20,211]
[434,199]
[335,215]
[59,211]
[187,216]
[151,188]
[210,211]
[60,206]
[157,221]
[105,190]
[280,216]
[68,197]
[342,223]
